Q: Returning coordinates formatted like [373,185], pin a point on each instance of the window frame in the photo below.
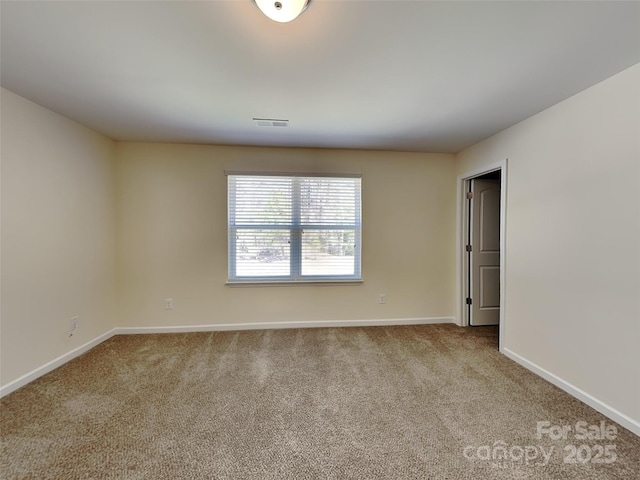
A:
[296,230]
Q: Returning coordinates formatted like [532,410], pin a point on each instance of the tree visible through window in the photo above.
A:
[293,227]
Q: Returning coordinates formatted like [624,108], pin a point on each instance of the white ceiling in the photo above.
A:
[391,75]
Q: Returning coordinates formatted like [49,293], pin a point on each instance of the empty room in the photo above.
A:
[319,239]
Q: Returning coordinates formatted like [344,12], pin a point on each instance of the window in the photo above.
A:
[293,228]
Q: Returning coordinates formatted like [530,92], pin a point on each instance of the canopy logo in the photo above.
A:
[592,446]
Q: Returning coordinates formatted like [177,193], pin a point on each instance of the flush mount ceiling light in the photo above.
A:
[282,10]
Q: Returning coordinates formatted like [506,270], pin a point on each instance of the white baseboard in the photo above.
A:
[281,325]
[627,422]
[55,363]
[619,417]
[62,359]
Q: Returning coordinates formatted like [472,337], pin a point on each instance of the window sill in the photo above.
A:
[290,283]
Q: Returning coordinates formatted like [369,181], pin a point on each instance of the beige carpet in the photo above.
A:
[380,402]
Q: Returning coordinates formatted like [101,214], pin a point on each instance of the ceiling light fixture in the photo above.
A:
[282,10]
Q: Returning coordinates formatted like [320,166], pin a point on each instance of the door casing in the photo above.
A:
[462,225]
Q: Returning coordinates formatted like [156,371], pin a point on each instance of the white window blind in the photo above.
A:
[292,228]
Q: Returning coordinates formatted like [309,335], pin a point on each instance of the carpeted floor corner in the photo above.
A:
[414,402]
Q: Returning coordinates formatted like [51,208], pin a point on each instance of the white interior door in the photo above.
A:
[485,252]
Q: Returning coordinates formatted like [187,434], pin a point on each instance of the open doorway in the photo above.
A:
[483,250]
[480,253]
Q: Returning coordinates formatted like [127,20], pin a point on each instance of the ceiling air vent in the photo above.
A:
[271,122]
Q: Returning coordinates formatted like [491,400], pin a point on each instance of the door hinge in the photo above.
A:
[469,195]
[469,248]
[469,302]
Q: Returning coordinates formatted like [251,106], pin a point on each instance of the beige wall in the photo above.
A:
[58,235]
[173,237]
[573,231]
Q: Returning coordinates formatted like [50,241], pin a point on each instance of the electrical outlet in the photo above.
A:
[168,303]
[382,299]
[74,323]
